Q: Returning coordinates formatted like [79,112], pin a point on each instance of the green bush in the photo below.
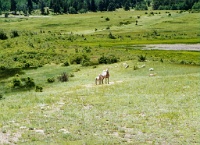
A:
[141,58]
[107,19]
[20,83]
[87,49]
[111,36]
[14,33]
[29,83]
[1,96]
[16,82]
[86,62]
[107,59]
[3,35]
[38,88]
[79,59]
[51,80]
[66,63]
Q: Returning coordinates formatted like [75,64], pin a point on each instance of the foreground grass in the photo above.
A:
[133,109]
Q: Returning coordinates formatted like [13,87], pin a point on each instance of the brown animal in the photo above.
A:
[99,79]
[106,75]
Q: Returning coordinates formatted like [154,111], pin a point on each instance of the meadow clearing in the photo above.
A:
[132,109]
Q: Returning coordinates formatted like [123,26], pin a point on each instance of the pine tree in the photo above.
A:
[93,6]
[30,6]
[13,5]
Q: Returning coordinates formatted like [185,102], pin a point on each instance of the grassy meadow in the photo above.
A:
[133,108]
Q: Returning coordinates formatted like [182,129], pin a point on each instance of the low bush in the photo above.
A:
[51,80]
[66,63]
[3,35]
[14,33]
[86,62]
[141,58]
[38,88]
[26,83]
[63,77]
[111,36]
[82,59]
[108,59]
[1,96]
[87,49]
[107,19]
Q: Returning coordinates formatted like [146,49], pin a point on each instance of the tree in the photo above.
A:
[127,6]
[196,6]
[30,6]
[42,5]
[72,10]
[111,6]
[102,6]
[57,6]
[13,6]
[4,5]
[93,6]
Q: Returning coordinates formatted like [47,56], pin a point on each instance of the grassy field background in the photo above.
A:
[133,109]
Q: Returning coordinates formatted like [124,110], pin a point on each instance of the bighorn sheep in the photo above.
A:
[106,75]
[99,78]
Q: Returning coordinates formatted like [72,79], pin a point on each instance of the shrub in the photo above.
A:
[141,58]
[66,63]
[87,49]
[27,83]
[51,80]
[76,59]
[16,82]
[79,59]
[111,36]
[1,96]
[107,60]
[14,34]
[86,62]
[38,88]
[63,77]
[107,19]
[3,35]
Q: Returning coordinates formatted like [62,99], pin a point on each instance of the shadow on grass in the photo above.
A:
[9,72]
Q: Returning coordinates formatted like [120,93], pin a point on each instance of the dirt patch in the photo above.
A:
[190,47]
[8,138]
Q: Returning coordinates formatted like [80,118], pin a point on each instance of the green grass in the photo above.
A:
[133,109]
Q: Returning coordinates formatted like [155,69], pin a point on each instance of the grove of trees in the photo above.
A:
[82,6]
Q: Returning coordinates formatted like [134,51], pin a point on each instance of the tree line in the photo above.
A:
[175,4]
[82,6]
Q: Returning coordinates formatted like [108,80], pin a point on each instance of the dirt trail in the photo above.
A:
[192,47]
